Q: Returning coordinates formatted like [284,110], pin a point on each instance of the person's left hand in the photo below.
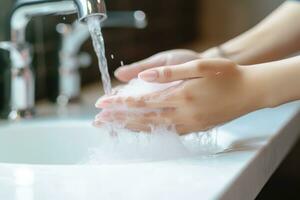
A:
[214,91]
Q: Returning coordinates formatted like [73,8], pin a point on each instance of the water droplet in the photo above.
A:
[112,56]
[122,63]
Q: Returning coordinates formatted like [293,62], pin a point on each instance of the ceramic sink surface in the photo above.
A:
[39,161]
[48,141]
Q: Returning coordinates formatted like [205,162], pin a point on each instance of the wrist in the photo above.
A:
[256,88]
[213,52]
[274,83]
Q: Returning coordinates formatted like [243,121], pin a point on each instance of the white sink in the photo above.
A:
[38,162]
[65,142]
[47,141]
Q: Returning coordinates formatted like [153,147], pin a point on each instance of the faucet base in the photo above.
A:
[21,114]
[64,100]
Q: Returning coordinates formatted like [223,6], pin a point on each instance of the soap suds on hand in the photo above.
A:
[162,143]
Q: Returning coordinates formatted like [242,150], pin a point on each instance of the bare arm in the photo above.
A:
[227,91]
[279,80]
[276,37]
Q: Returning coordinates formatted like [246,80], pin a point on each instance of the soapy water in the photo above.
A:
[161,143]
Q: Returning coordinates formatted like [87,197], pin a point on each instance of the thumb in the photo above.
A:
[193,69]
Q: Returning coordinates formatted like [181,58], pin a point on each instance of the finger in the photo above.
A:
[132,125]
[97,123]
[192,69]
[101,100]
[114,92]
[116,89]
[183,129]
[153,101]
[169,97]
[164,116]
[138,127]
[106,116]
[128,72]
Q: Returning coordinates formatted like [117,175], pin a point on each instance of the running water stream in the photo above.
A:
[99,47]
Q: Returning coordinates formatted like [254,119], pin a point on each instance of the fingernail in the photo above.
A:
[103,102]
[102,115]
[150,75]
[117,71]
[120,70]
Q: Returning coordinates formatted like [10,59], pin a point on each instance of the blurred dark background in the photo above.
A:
[196,24]
[172,24]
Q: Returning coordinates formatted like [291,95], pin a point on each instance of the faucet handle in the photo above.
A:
[22,90]
[73,36]
[135,19]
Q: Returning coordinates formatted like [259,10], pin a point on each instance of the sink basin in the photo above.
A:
[38,161]
[47,141]
[66,142]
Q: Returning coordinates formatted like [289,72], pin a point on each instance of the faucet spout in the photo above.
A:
[26,9]
[87,8]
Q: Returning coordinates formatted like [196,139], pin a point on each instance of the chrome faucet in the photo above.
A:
[22,79]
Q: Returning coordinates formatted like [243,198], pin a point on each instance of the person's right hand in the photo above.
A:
[171,57]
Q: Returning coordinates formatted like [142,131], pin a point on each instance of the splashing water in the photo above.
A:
[98,43]
[162,143]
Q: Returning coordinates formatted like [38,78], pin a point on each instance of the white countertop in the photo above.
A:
[259,142]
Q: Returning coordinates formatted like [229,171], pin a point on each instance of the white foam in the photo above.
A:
[139,87]
[120,144]
[163,143]
[131,146]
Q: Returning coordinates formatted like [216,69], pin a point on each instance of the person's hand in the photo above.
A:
[172,57]
[214,91]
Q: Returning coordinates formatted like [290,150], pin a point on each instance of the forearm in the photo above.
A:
[274,38]
[276,83]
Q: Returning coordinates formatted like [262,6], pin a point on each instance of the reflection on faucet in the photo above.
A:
[26,10]
[73,36]
[18,56]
